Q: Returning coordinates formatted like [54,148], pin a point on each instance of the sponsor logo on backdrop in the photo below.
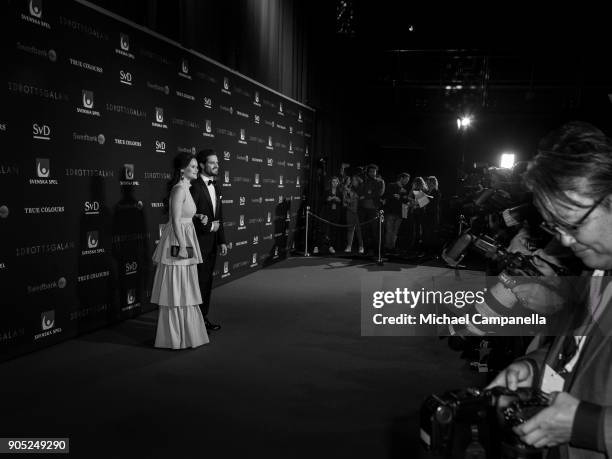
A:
[240,264]
[130,300]
[119,239]
[93,276]
[290,129]
[290,148]
[158,205]
[226,86]
[255,220]
[29,90]
[4,213]
[159,119]
[255,240]
[45,249]
[86,312]
[242,200]
[158,175]
[125,78]
[306,155]
[124,46]
[241,243]
[87,99]
[226,178]
[44,210]
[270,145]
[227,201]
[256,160]
[154,56]
[47,325]
[91,207]
[256,99]
[256,118]
[207,102]
[281,127]
[131,268]
[43,173]
[82,28]
[158,87]
[275,253]
[226,272]
[269,219]
[85,65]
[243,114]
[93,244]
[241,224]
[128,176]
[9,169]
[126,110]
[258,200]
[128,142]
[269,237]
[186,123]
[256,183]
[280,182]
[184,70]
[281,199]
[35,10]
[10,334]
[186,149]
[184,95]
[281,163]
[270,161]
[227,156]
[299,116]
[71,172]
[242,139]
[288,217]
[253,260]
[280,109]
[60,283]
[41,132]
[100,139]
[160,146]
[243,158]
[208,131]
[297,182]
[227,109]
[269,123]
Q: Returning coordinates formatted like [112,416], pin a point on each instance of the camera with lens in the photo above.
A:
[478,423]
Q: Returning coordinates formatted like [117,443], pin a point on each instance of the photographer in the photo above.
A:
[571,179]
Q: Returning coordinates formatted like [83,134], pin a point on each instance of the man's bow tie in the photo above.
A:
[211,182]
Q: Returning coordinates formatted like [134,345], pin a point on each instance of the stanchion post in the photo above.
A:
[381,219]
[306,254]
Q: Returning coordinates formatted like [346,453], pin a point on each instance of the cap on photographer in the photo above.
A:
[571,180]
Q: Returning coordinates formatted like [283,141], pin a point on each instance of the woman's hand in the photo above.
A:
[183,252]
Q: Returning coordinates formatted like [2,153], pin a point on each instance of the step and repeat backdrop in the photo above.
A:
[93,111]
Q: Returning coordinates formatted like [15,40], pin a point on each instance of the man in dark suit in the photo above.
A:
[571,180]
[205,192]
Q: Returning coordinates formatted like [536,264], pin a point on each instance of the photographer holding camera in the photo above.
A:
[571,180]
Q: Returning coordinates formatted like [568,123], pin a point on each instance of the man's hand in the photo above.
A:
[545,297]
[214,226]
[223,249]
[553,425]
[517,374]
[203,218]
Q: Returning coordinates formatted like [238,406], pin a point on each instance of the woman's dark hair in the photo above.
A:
[576,157]
[181,161]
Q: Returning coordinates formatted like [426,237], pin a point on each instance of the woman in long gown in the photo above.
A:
[175,287]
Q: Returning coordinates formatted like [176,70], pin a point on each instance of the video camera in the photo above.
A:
[478,423]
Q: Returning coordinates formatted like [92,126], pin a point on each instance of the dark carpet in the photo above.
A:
[287,376]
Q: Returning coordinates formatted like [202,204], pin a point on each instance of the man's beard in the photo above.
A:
[211,173]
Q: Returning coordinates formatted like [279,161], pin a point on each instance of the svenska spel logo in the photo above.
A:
[124,41]
[131,296]
[47,320]
[93,239]
[159,114]
[128,171]
[88,98]
[36,9]
[43,168]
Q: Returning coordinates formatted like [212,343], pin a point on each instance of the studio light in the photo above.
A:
[464,122]
[507,160]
